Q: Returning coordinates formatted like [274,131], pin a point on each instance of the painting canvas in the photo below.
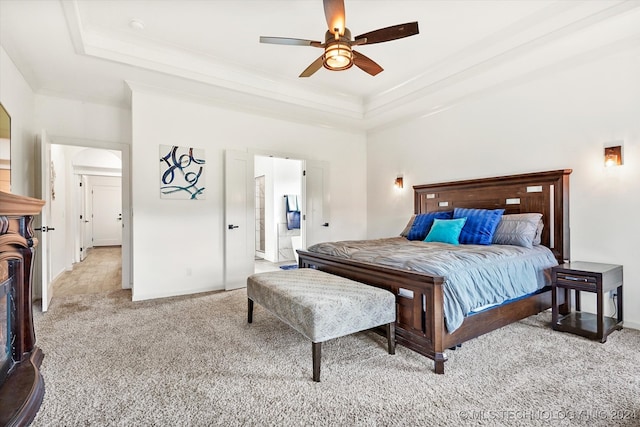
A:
[182,173]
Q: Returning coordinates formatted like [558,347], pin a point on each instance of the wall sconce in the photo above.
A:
[613,156]
[399,182]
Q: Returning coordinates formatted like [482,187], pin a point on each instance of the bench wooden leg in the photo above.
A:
[249,310]
[316,351]
[391,337]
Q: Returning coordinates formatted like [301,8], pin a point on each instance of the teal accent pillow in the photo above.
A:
[422,224]
[446,231]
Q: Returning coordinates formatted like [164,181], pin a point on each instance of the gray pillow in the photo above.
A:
[517,229]
[538,239]
[405,232]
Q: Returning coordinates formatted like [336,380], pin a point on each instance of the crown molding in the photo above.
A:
[200,68]
[441,102]
[244,103]
[488,66]
[521,50]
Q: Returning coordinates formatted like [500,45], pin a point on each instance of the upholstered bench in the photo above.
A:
[322,306]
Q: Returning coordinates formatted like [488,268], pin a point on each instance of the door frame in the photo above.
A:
[127,234]
[303,184]
[250,194]
[43,269]
[82,215]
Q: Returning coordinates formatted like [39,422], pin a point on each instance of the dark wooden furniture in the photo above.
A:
[420,322]
[591,277]
[21,385]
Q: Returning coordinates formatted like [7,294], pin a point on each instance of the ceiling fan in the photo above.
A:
[338,53]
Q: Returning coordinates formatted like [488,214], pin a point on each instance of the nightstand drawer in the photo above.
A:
[576,280]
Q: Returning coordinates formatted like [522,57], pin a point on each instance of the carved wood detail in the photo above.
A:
[22,390]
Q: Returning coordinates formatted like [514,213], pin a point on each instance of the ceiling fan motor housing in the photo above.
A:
[337,52]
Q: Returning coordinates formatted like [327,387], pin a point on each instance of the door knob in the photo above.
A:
[326,224]
[44,229]
[231,226]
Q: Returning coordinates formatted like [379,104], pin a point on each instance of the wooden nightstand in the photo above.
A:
[586,277]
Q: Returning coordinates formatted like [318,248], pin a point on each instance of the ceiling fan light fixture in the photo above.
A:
[337,51]
[337,56]
[338,43]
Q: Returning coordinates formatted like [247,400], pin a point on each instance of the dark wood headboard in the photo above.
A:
[542,192]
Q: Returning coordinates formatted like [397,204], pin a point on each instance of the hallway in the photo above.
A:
[101,271]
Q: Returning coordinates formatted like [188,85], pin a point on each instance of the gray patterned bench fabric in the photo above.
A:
[322,306]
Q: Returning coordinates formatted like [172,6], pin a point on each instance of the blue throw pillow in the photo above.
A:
[446,230]
[422,224]
[480,226]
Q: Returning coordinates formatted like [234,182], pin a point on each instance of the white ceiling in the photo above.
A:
[209,49]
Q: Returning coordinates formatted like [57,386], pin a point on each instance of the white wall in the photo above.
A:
[554,122]
[92,161]
[82,120]
[178,245]
[82,124]
[70,120]
[18,99]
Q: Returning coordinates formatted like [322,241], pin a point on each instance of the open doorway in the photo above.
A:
[87,209]
[278,202]
[239,211]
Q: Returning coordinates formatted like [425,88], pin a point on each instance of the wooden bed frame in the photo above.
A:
[420,323]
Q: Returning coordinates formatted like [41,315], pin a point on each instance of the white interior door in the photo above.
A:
[316,206]
[84,217]
[44,157]
[107,215]
[239,219]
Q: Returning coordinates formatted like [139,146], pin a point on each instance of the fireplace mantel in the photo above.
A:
[11,204]
[22,388]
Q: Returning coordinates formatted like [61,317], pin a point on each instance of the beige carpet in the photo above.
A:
[101,271]
[194,361]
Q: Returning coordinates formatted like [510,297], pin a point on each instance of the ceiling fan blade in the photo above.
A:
[289,41]
[390,33]
[366,64]
[315,66]
[334,12]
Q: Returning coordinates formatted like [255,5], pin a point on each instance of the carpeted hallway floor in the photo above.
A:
[101,271]
[194,361]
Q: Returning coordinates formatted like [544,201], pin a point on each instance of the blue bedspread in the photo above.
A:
[475,275]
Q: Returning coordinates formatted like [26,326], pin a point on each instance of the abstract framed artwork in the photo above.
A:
[182,173]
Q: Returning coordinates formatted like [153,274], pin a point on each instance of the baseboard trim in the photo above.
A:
[157,295]
[631,325]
